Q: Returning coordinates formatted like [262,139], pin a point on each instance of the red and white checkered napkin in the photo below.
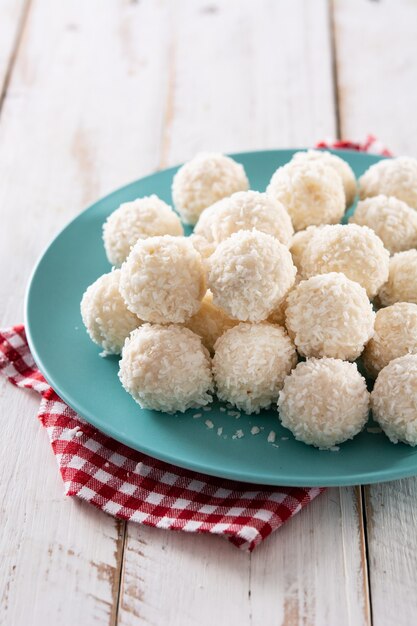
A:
[138,488]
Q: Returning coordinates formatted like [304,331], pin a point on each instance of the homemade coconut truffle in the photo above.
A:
[329,316]
[144,217]
[311,191]
[401,285]
[203,247]
[324,402]
[340,165]
[250,364]
[299,243]
[395,335]
[249,273]
[210,322]
[354,250]
[391,177]
[105,315]
[392,220]
[245,210]
[208,177]
[166,368]
[162,279]
[393,399]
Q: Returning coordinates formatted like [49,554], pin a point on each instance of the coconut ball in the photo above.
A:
[203,247]
[354,250]
[249,273]
[395,335]
[394,399]
[299,243]
[142,218]
[245,210]
[340,165]
[311,191]
[391,219]
[166,368]
[210,322]
[329,316]
[250,364]
[391,177]
[105,315]
[208,177]
[401,285]
[324,402]
[162,279]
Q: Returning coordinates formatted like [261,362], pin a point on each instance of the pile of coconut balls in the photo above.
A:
[271,300]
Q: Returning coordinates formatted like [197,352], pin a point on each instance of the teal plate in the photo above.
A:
[89,384]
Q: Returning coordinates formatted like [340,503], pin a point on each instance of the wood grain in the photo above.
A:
[82,114]
[377,80]
[244,75]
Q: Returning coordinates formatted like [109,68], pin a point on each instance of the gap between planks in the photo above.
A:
[119,573]
[14,52]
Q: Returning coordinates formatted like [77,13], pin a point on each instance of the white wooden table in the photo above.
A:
[94,94]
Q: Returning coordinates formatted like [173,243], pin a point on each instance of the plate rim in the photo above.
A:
[368,477]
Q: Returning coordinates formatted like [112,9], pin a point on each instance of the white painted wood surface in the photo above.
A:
[376,51]
[378,92]
[12,17]
[99,94]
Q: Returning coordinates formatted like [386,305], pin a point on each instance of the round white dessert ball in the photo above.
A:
[391,177]
[329,316]
[208,177]
[312,192]
[166,368]
[340,165]
[162,279]
[354,250]
[298,245]
[142,218]
[210,322]
[250,364]
[324,402]
[391,219]
[105,315]
[393,399]
[249,273]
[203,247]
[401,285]
[245,210]
[395,335]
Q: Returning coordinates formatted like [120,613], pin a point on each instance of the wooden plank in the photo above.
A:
[83,114]
[391,511]
[321,577]
[259,76]
[12,18]
[179,579]
[376,47]
[246,75]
